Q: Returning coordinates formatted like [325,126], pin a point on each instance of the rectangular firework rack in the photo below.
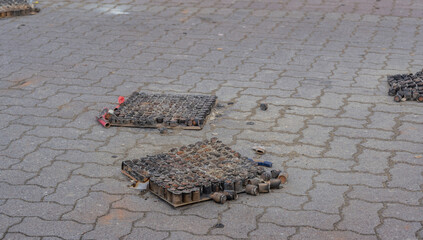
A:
[160,110]
[10,8]
[406,87]
[190,174]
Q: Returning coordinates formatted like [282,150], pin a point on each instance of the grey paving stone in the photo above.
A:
[33,226]
[34,161]
[304,218]
[68,192]
[274,199]
[403,212]
[44,210]
[115,224]
[396,229]
[145,233]
[310,233]
[15,176]
[341,147]
[403,157]
[326,198]
[406,176]
[351,178]
[372,161]
[7,222]
[19,236]
[160,221]
[25,192]
[360,216]
[271,231]
[52,175]
[385,195]
[89,208]
[320,163]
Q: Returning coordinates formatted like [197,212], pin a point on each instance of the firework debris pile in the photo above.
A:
[10,8]
[406,87]
[202,171]
[160,110]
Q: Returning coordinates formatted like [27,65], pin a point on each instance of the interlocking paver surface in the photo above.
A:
[355,157]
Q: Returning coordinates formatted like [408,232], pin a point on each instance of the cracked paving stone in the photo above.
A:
[238,220]
[406,176]
[67,144]
[316,135]
[89,208]
[115,224]
[270,231]
[396,229]
[163,222]
[13,132]
[303,218]
[44,210]
[266,136]
[360,216]
[145,233]
[385,195]
[44,131]
[33,226]
[410,158]
[307,233]
[70,191]
[76,156]
[326,198]
[404,212]
[25,192]
[52,175]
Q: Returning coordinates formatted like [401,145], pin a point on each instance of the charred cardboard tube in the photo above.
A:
[219,197]
[275,183]
[230,195]
[252,190]
[266,176]
[254,181]
[103,122]
[264,187]
[275,173]
[283,177]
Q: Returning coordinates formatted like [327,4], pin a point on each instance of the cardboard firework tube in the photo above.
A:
[196,194]
[230,195]
[275,173]
[266,176]
[264,187]
[252,190]
[275,183]
[283,177]
[103,122]
[218,197]
[254,181]
[186,196]
[177,197]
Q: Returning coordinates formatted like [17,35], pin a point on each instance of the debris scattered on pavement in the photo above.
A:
[262,163]
[250,123]
[406,87]
[219,225]
[163,130]
[11,8]
[198,172]
[159,110]
[259,150]
[264,106]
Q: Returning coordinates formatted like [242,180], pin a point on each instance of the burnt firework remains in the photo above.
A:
[405,87]
[198,172]
[10,8]
[160,110]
